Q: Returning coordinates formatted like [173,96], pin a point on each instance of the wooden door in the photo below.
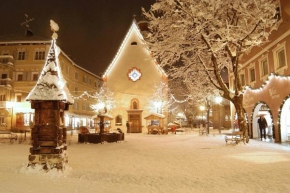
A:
[135,123]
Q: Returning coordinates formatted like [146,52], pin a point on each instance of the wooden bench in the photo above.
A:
[235,136]
[5,134]
[202,131]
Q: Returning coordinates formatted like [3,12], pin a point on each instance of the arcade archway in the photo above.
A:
[259,109]
[285,120]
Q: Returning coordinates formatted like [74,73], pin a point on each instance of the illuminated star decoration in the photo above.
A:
[134,74]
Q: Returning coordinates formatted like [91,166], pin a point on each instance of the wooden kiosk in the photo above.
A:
[155,123]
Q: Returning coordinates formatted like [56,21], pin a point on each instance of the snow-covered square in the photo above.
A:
[154,163]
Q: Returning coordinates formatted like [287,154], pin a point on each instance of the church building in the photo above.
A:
[133,76]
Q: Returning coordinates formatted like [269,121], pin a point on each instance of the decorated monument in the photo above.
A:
[50,98]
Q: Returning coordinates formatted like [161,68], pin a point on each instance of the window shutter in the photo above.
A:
[15,53]
[24,76]
[26,54]
[28,76]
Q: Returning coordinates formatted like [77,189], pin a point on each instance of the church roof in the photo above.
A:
[134,27]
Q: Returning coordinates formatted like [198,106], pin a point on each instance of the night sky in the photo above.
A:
[91,31]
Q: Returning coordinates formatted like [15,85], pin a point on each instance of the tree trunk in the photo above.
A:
[238,103]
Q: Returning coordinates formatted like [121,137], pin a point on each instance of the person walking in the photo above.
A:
[262,124]
[128,127]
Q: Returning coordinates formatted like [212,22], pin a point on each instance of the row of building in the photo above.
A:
[265,75]
[21,61]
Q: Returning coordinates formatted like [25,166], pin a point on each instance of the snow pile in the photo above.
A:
[51,85]
[182,163]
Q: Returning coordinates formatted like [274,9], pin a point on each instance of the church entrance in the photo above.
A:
[135,121]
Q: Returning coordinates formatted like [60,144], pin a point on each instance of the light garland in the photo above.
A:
[272,75]
[178,101]
[134,27]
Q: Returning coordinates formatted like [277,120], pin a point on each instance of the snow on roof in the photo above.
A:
[134,27]
[51,85]
[155,115]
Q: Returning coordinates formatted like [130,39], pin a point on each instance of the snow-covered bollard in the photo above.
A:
[50,98]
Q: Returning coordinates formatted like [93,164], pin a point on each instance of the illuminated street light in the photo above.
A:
[218,100]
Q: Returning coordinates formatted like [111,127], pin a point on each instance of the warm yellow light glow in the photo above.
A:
[202,108]
[218,99]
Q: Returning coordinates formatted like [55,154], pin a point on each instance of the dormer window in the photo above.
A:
[134,44]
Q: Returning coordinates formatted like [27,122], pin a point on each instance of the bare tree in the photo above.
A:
[210,34]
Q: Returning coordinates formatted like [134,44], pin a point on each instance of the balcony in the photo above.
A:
[7,82]
[7,60]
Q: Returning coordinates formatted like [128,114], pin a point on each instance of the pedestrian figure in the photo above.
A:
[128,127]
[262,124]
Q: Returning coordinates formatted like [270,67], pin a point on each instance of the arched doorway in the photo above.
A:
[259,109]
[285,120]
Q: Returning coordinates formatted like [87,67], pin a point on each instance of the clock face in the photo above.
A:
[134,74]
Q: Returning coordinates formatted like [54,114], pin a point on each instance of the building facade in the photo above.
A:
[132,77]
[265,75]
[21,62]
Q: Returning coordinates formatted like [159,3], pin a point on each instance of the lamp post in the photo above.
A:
[218,100]
[202,108]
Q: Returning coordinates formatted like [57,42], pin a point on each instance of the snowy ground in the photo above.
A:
[155,163]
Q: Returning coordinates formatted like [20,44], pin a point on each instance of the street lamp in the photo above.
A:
[218,100]
[202,108]
[158,105]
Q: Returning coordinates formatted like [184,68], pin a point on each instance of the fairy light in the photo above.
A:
[270,77]
[134,27]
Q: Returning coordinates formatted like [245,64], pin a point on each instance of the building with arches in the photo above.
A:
[265,75]
[132,76]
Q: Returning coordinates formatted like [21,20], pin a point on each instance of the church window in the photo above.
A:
[134,44]
[119,120]
[134,104]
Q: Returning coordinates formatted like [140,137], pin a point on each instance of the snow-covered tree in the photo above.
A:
[105,101]
[213,33]
[159,102]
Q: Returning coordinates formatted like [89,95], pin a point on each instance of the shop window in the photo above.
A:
[119,120]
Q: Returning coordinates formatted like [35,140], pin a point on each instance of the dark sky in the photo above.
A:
[91,31]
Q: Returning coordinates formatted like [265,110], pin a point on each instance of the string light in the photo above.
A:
[271,76]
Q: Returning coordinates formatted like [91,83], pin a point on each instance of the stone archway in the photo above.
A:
[284,121]
[262,108]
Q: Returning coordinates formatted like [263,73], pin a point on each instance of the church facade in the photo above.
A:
[133,76]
